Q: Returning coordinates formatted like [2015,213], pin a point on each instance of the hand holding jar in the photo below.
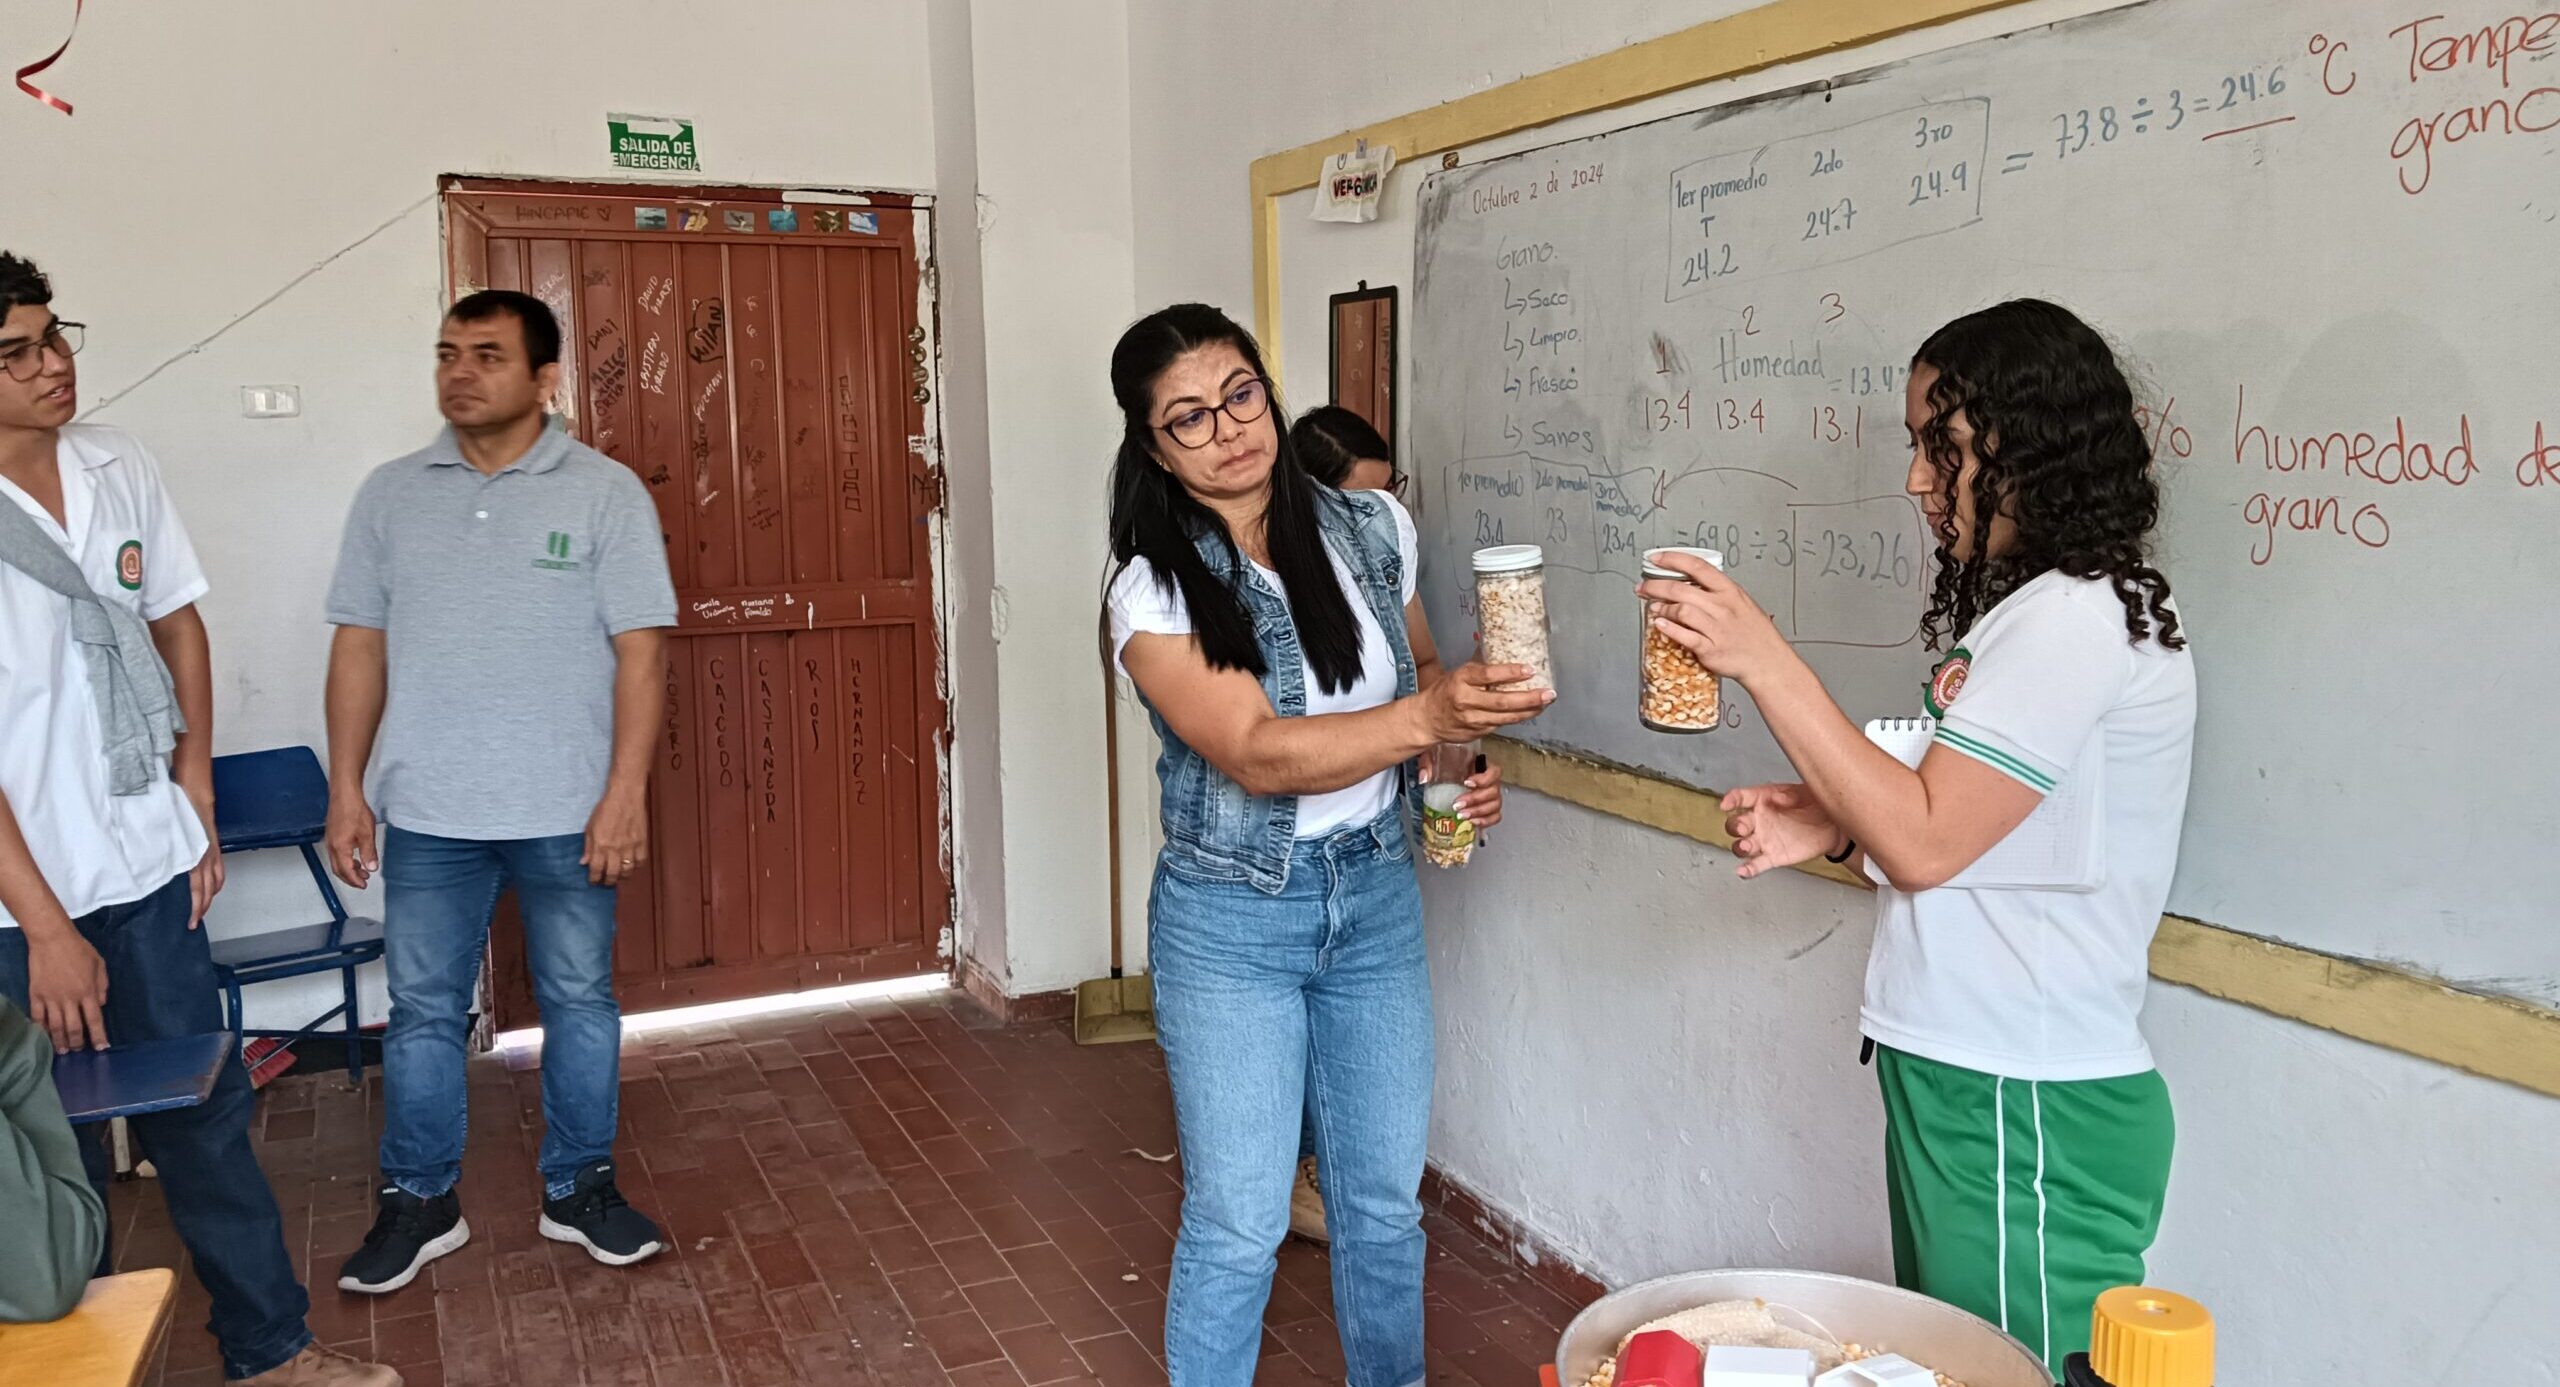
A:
[1711,617]
[1674,692]
[1477,699]
[1461,798]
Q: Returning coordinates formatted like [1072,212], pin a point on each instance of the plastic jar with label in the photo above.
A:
[1674,692]
[1448,837]
[1511,611]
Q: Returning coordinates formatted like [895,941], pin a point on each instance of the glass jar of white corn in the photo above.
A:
[1511,611]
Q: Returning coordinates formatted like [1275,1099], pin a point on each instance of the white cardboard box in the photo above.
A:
[1883,1370]
[1730,1366]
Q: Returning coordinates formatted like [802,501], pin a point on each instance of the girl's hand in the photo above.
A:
[1481,805]
[1777,826]
[1711,617]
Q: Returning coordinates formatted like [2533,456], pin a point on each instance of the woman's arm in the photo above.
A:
[1224,715]
[1427,669]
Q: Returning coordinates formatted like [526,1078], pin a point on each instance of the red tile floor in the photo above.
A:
[897,1193]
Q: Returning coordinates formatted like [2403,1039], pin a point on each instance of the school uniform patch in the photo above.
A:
[1947,680]
[129,565]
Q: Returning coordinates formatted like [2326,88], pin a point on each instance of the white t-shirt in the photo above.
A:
[1140,606]
[95,849]
[2046,985]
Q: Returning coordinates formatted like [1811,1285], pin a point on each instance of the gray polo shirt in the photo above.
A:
[500,598]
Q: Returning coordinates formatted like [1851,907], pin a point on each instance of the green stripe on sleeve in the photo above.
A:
[1997,759]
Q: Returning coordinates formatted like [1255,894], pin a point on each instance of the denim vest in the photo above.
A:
[1213,830]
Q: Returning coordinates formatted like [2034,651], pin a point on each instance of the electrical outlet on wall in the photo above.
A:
[270,401]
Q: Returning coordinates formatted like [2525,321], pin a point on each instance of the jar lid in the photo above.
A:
[1510,558]
[1709,557]
[2140,1337]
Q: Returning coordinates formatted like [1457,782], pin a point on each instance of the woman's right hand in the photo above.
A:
[1471,702]
[1777,826]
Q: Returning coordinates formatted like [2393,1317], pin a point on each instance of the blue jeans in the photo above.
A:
[160,984]
[1261,1002]
[438,894]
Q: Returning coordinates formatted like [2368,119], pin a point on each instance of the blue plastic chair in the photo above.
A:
[280,799]
[139,1076]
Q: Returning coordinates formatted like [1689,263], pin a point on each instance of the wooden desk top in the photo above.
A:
[111,1340]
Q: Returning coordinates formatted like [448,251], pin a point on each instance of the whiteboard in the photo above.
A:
[2327,243]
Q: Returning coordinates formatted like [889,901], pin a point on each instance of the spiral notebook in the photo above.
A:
[2059,847]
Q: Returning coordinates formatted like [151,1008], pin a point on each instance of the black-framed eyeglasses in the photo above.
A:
[25,361]
[1250,400]
[1400,486]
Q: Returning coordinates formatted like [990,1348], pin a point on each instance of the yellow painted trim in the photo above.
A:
[1266,282]
[2391,1007]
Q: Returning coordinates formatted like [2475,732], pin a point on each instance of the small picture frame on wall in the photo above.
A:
[1364,355]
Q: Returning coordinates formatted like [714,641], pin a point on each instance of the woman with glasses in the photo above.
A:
[1271,628]
[1342,451]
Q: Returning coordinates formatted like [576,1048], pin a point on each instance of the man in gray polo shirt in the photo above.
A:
[501,602]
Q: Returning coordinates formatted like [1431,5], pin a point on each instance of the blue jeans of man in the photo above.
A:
[438,895]
[160,984]
[1258,1000]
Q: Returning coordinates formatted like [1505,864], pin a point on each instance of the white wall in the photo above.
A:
[257,180]
[1032,117]
[2351,1214]
[1053,139]
[969,642]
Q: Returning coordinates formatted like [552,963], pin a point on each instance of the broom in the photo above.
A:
[1118,1008]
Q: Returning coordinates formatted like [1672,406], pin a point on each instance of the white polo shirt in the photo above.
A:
[2039,984]
[95,849]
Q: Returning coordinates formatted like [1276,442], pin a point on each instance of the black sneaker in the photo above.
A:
[408,1232]
[596,1217]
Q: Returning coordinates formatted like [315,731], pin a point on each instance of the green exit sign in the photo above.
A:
[652,142]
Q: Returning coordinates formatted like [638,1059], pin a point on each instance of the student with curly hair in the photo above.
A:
[2027,1132]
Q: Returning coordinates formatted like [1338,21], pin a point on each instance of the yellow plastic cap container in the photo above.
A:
[2139,1337]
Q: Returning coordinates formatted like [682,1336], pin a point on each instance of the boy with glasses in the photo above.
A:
[107,858]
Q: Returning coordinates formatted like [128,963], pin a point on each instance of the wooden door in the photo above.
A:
[760,365]
[1364,356]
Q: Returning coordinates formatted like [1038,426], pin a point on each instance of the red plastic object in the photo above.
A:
[1661,1358]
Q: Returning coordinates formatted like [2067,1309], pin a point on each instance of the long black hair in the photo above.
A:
[2060,453]
[1331,439]
[1154,518]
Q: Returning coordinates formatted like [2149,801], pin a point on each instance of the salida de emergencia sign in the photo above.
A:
[652,142]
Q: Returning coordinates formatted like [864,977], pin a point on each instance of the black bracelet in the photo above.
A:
[1848,850]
